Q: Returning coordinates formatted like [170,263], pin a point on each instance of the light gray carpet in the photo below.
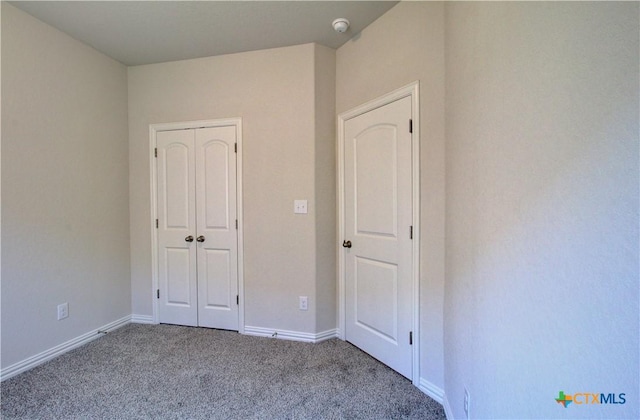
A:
[172,372]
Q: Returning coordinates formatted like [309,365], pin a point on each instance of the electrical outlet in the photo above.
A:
[63,311]
[467,400]
[300,206]
[304,303]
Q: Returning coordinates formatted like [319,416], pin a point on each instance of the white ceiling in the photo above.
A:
[145,32]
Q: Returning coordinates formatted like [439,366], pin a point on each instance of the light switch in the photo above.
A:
[300,206]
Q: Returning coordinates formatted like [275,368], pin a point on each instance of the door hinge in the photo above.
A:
[236,224]
[156,223]
[158,294]
[155,152]
[411,126]
[411,338]
[235,147]
[410,232]
[237,299]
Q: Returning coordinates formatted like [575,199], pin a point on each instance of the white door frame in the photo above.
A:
[411,90]
[153,129]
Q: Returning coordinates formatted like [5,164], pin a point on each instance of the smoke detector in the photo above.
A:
[341,25]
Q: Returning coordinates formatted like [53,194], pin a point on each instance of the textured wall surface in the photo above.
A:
[325,187]
[542,207]
[65,217]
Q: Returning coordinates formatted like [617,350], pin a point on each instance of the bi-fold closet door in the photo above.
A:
[197,227]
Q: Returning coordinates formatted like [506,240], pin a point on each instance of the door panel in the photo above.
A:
[218,280]
[216,155]
[176,216]
[216,218]
[178,164]
[373,181]
[374,282]
[179,271]
[378,216]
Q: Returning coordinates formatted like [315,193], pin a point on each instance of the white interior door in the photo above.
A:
[378,218]
[216,221]
[197,227]
[178,299]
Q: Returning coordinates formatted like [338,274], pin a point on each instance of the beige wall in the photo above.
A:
[404,45]
[65,226]
[325,185]
[542,207]
[274,93]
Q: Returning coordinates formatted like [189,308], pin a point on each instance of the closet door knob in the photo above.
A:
[200,238]
[346,244]
[189,238]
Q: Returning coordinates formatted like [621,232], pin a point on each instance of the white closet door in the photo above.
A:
[178,300]
[197,234]
[217,240]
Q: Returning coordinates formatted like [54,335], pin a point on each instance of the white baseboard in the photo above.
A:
[60,349]
[326,335]
[447,408]
[290,335]
[142,319]
[431,390]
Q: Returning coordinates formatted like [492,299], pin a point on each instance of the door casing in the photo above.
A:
[155,128]
[411,90]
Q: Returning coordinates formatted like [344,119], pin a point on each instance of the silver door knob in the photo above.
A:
[200,238]
[189,238]
[346,244]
